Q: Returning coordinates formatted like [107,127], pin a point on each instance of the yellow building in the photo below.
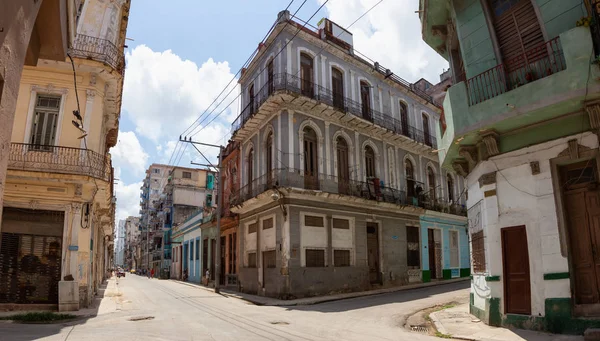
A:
[58,220]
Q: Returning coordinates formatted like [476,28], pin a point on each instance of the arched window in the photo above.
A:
[370,162]
[431,183]
[250,171]
[404,118]
[450,183]
[251,98]
[426,132]
[365,98]
[311,159]
[343,165]
[269,159]
[306,74]
[410,178]
[270,76]
[337,88]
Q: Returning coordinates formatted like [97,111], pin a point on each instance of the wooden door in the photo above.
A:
[270,76]
[365,98]
[404,118]
[251,99]
[269,259]
[249,191]
[431,252]
[337,88]
[373,252]
[306,75]
[426,133]
[515,259]
[343,166]
[311,180]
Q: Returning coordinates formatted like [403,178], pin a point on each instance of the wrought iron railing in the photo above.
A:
[536,63]
[294,84]
[98,49]
[57,159]
[372,189]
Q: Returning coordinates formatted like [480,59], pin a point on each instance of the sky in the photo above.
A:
[181,54]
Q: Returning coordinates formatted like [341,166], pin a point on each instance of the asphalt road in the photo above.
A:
[147,309]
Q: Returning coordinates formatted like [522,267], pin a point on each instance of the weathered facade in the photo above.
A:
[132,242]
[59,185]
[338,164]
[521,124]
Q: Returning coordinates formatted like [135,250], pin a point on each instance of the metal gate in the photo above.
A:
[29,268]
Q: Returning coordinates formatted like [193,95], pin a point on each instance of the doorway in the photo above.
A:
[373,252]
[311,179]
[222,263]
[269,258]
[515,259]
[581,198]
[434,242]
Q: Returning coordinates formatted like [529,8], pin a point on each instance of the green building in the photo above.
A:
[521,124]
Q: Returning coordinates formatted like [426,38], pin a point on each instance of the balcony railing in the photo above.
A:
[56,159]
[98,49]
[536,63]
[370,190]
[294,84]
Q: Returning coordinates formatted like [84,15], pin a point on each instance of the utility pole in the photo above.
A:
[219,204]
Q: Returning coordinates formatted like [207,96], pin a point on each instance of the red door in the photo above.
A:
[515,257]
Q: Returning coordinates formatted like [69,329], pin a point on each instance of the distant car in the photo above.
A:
[120,273]
[132,271]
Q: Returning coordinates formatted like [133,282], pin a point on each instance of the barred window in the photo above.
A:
[186,175]
[341,224]
[267,223]
[252,228]
[316,221]
[341,257]
[315,258]
[478,251]
[269,258]
[252,259]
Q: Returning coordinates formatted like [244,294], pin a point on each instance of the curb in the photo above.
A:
[264,301]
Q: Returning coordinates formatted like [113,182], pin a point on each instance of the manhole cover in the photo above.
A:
[420,329]
[141,318]
[279,322]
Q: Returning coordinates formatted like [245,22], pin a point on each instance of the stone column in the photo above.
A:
[68,287]
[87,116]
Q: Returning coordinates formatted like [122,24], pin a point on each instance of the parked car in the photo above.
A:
[120,273]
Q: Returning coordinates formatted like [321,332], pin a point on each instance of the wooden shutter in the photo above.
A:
[517,30]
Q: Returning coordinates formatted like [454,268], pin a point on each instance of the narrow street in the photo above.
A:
[170,310]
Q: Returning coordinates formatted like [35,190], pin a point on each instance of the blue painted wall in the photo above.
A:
[445,225]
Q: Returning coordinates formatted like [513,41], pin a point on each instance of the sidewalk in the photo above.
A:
[458,323]
[268,301]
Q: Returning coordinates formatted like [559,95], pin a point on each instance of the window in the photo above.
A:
[306,75]
[186,175]
[315,258]
[370,162]
[267,223]
[156,171]
[341,257]
[270,75]
[43,129]
[252,228]
[431,183]
[337,88]
[343,165]
[269,259]
[341,224]
[192,250]
[250,172]
[404,118]
[310,159]
[450,183]
[412,247]
[517,31]
[251,98]
[197,249]
[269,159]
[209,200]
[410,178]
[426,133]
[454,263]
[478,252]
[316,221]
[365,98]
[251,259]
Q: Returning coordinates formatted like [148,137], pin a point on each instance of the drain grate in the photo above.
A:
[279,322]
[141,318]
[420,329]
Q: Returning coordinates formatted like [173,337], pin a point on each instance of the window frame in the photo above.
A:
[350,262]
[43,91]
[307,249]
[47,112]
[186,175]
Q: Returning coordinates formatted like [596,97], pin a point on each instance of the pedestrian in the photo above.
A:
[152,273]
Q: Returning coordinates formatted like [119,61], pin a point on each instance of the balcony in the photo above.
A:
[369,190]
[537,63]
[56,159]
[100,50]
[287,83]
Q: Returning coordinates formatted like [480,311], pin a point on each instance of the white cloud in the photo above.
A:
[128,154]
[128,200]
[164,94]
[391,35]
